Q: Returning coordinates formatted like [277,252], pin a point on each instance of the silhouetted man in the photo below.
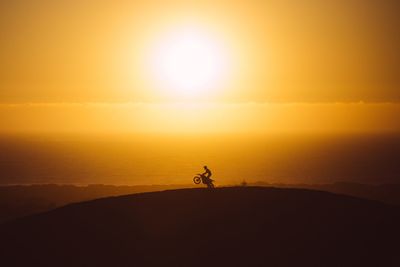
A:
[207,173]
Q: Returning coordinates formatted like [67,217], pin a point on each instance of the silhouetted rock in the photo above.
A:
[239,226]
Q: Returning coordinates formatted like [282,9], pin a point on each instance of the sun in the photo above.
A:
[189,62]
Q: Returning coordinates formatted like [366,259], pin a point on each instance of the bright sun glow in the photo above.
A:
[189,62]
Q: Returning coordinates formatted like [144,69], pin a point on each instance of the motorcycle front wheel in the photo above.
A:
[197,179]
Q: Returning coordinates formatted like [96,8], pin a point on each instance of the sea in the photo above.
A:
[149,159]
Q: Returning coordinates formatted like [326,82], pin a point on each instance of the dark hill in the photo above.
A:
[240,226]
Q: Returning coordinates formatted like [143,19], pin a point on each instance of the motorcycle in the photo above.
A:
[201,178]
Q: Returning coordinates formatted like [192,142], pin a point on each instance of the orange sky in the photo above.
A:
[321,52]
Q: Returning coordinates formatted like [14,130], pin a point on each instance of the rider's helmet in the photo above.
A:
[205,167]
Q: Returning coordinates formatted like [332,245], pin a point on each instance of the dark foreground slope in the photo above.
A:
[197,227]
